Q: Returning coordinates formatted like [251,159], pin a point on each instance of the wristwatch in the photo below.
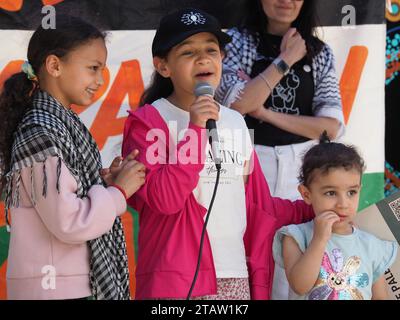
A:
[281,66]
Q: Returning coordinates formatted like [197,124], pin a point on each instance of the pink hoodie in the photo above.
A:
[171,219]
[48,255]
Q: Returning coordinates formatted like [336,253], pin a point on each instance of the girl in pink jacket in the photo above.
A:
[169,131]
[67,240]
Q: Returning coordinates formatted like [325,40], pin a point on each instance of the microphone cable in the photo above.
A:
[203,232]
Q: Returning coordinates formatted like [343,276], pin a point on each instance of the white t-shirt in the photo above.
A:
[227,222]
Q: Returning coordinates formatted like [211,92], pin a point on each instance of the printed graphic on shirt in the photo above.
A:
[338,280]
[232,157]
[284,95]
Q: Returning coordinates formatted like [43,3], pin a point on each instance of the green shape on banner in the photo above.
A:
[135,226]
[4,241]
[372,190]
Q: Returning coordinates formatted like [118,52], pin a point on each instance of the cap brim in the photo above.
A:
[222,37]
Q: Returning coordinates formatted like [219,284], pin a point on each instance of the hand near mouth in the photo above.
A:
[323,223]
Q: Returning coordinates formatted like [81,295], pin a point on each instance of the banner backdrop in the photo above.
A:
[392,98]
[355,30]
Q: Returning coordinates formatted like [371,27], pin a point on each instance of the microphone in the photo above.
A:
[205,89]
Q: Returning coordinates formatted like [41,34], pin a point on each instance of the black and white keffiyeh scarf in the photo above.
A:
[50,130]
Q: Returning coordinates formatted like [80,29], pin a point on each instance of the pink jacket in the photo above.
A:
[171,219]
[48,255]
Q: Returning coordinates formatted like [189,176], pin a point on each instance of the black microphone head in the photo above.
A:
[203,89]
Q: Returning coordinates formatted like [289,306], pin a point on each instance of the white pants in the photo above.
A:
[281,165]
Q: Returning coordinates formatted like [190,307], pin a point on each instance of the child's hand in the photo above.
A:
[323,225]
[202,109]
[131,177]
[110,174]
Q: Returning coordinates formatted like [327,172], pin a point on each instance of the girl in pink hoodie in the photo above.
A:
[181,172]
[66,240]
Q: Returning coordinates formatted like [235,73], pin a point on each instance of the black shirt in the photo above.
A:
[292,95]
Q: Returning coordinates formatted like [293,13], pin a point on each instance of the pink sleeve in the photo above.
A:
[284,211]
[287,212]
[168,182]
[71,219]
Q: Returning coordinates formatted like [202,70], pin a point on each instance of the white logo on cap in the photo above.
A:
[193,18]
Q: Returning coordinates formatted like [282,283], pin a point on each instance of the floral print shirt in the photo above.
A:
[350,266]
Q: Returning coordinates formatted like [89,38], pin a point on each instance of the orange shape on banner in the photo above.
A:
[127,222]
[51,2]
[127,81]
[11,68]
[351,78]
[98,94]
[11,5]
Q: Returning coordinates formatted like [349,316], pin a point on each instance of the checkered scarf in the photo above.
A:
[50,130]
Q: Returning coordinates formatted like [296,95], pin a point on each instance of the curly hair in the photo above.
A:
[329,155]
[17,92]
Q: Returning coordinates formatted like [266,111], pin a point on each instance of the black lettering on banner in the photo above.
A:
[392,282]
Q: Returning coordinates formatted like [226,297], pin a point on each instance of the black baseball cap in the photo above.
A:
[181,24]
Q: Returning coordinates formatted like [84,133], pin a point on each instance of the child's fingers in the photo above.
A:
[116,165]
[328,214]
[206,106]
[107,176]
[133,154]
[137,166]
[104,171]
[209,113]
[141,174]
[130,156]
[202,109]
[108,179]
[334,218]
[116,162]
[329,217]
[203,99]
